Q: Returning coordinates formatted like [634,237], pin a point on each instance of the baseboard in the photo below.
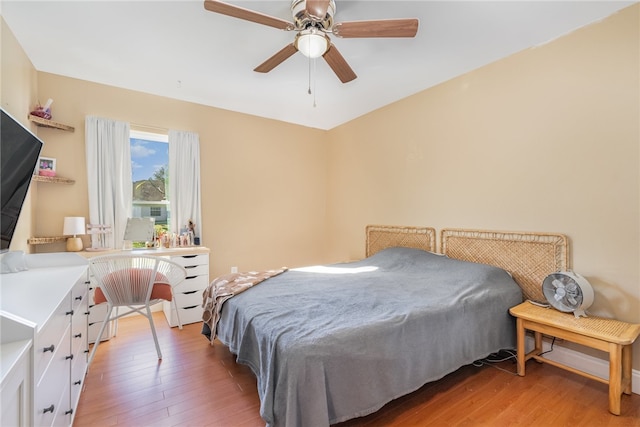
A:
[584,362]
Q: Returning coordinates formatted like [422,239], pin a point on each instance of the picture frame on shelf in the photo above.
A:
[46,166]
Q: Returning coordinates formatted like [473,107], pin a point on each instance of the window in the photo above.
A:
[149,173]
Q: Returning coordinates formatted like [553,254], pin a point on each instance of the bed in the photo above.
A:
[331,343]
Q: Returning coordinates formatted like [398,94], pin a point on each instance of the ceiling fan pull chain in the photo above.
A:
[312,74]
[315,79]
[309,89]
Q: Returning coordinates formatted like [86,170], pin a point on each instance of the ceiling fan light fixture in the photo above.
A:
[312,43]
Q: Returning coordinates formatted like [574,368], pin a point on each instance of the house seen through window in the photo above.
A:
[150,174]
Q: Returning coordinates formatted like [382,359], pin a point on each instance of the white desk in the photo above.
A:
[188,294]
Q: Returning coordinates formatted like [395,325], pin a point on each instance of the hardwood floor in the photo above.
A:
[200,385]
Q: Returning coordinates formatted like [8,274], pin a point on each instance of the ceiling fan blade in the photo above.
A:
[276,59]
[338,64]
[317,8]
[246,14]
[378,28]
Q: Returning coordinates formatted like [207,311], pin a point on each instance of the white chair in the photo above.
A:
[136,282]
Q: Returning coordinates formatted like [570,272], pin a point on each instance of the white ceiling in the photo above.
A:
[179,50]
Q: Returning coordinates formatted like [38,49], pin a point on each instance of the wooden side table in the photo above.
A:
[609,335]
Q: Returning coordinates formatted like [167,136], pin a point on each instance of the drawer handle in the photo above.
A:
[69,313]
[70,411]
[86,313]
[87,282]
[50,348]
[189,292]
[189,256]
[69,357]
[49,409]
[79,298]
[189,307]
[190,277]
[78,335]
[78,382]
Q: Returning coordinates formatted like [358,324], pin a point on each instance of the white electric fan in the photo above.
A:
[568,292]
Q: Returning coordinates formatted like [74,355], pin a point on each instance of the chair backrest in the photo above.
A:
[129,279]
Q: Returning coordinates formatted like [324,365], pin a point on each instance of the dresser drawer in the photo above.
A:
[188,314]
[62,415]
[49,388]
[79,333]
[197,270]
[79,320]
[188,299]
[94,329]
[49,338]
[96,316]
[190,260]
[79,295]
[78,371]
[192,283]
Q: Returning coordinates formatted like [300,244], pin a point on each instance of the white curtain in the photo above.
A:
[184,181]
[109,175]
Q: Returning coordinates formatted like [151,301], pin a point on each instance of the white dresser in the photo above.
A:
[188,295]
[44,331]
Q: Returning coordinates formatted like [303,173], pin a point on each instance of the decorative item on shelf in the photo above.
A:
[46,166]
[98,233]
[191,227]
[74,226]
[44,112]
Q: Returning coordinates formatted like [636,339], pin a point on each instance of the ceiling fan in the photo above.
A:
[313,21]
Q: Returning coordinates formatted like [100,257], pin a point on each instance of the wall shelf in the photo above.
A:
[53,179]
[50,123]
[46,240]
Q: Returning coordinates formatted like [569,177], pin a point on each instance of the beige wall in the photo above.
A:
[545,140]
[263,181]
[18,91]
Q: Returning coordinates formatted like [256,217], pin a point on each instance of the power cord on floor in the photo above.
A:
[550,349]
[494,358]
[503,356]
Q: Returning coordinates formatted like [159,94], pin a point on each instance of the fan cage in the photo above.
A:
[560,287]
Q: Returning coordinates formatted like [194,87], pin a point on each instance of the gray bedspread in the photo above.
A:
[339,342]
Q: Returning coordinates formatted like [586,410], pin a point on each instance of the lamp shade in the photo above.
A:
[312,43]
[73,225]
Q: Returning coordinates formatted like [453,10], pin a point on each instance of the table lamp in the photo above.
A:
[73,225]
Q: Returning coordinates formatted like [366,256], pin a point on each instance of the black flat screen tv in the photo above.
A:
[19,152]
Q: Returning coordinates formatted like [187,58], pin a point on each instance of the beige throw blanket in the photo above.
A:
[224,287]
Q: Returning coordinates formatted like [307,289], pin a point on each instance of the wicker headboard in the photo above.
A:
[380,237]
[529,257]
